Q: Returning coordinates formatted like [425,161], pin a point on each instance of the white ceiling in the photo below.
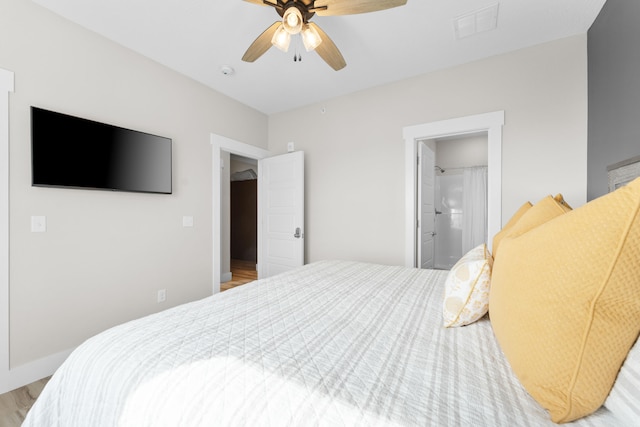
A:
[198,37]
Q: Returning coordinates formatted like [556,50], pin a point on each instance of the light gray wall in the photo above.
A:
[462,151]
[239,164]
[614,90]
[105,254]
[354,151]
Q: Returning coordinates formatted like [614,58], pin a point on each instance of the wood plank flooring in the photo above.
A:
[241,272]
[15,404]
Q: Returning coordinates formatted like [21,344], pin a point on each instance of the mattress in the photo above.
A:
[331,343]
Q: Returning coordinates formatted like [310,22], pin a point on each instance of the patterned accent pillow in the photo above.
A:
[624,399]
[466,296]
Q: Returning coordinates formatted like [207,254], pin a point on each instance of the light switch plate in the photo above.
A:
[38,223]
[187,221]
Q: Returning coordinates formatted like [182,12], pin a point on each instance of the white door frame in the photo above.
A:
[24,374]
[6,86]
[489,122]
[223,144]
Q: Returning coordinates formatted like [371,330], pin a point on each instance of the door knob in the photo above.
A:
[297,235]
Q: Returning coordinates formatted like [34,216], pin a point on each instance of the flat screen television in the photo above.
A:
[68,151]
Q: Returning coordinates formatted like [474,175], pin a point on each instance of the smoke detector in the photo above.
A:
[227,70]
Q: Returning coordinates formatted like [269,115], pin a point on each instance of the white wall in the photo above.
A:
[240,164]
[354,147]
[104,254]
[462,151]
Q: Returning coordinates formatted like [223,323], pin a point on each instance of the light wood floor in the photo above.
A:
[241,272]
[15,404]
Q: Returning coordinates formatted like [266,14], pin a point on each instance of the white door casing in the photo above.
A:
[6,87]
[13,377]
[426,206]
[223,144]
[281,213]
[491,123]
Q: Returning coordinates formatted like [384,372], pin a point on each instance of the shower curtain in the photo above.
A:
[474,207]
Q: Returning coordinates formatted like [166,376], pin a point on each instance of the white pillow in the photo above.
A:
[466,297]
[624,399]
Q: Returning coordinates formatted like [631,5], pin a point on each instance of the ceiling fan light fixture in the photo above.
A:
[281,39]
[292,20]
[310,38]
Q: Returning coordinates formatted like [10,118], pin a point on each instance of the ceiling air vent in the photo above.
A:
[479,21]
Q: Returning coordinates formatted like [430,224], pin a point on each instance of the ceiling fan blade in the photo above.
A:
[272,3]
[261,44]
[350,7]
[260,2]
[328,50]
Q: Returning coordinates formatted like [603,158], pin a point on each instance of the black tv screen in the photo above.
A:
[68,151]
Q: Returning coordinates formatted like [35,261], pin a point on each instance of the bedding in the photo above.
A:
[330,343]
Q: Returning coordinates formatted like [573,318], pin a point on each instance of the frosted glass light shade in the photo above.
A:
[310,38]
[281,39]
[292,20]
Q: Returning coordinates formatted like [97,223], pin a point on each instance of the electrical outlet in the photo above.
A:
[162,295]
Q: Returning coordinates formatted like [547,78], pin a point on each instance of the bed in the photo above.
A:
[332,343]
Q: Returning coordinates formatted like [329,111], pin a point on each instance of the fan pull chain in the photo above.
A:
[296,56]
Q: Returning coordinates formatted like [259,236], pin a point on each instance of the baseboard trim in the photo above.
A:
[33,371]
[225,277]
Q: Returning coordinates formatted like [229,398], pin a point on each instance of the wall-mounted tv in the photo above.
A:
[68,151]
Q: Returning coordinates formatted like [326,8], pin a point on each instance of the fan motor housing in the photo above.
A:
[304,9]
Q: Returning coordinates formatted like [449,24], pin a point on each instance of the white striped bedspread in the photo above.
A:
[333,343]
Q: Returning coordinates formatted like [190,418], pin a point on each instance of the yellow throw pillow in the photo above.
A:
[560,199]
[512,221]
[467,288]
[529,217]
[565,302]
[543,211]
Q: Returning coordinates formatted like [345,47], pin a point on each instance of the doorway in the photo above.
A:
[491,123]
[223,147]
[243,222]
[460,196]
[280,207]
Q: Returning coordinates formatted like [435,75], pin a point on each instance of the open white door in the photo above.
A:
[426,206]
[280,213]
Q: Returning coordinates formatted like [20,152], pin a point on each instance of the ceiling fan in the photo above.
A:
[295,20]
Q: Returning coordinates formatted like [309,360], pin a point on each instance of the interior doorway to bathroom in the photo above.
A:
[492,124]
[460,196]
